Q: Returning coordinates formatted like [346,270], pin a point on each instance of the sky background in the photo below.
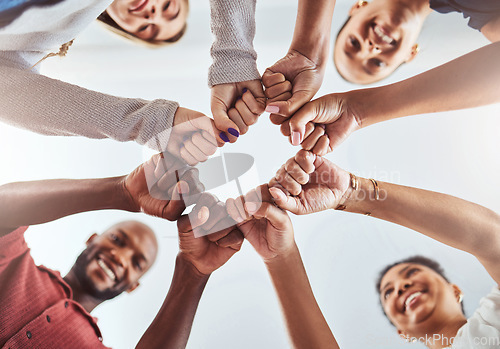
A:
[454,153]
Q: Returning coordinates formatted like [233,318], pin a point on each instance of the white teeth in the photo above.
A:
[412,297]
[381,35]
[108,271]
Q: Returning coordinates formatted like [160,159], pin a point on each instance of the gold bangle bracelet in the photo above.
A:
[354,184]
[375,188]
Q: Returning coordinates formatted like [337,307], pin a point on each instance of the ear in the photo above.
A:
[358,5]
[413,53]
[133,287]
[458,292]
[91,238]
[403,335]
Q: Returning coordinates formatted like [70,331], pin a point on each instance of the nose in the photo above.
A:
[404,285]
[149,13]
[119,258]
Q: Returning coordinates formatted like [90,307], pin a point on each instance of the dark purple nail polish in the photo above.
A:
[244,90]
[233,132]
[224,137]
[238,98]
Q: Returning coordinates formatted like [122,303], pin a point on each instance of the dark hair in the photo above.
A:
[106,19]
[421,260]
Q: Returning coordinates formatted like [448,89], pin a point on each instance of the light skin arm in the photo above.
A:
[36,202]
[466,82]
[455,222]
[269,230]
[445,218]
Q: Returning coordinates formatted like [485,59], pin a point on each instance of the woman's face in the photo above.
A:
[377,39]
[417,300]
[151,20]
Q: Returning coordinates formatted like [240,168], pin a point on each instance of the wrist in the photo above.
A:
[283,258]
[184,264]
[123,198]
[366,198]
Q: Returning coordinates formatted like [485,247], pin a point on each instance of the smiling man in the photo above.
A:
[40,309]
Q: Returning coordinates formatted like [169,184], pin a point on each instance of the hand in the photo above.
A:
[303,79]
[236,106]
[205,253]
[308,183]
[267,227]
[160,187]
[322,124]
[193,136]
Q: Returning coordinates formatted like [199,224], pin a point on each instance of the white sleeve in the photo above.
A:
[234,58]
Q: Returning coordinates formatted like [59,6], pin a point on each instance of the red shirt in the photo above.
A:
[36,305]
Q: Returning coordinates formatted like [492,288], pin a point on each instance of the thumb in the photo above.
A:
[289,107]
[283,201]
[299,121]
[276,216]
[228,130]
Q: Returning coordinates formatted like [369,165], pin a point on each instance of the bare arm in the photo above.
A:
[445,218]
[29,203]
[172,325]
[466,82]
[311,36]
[317,184]
[270,231]
[305,322]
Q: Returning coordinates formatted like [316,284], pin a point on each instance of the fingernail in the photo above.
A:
[233,132]
[295,138]
[244,90]
[183,188]
[272,109]
[250,207]
[238,98]
[224,137]
[274,194]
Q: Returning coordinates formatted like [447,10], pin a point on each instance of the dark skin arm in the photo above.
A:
[197,259]
[36,202]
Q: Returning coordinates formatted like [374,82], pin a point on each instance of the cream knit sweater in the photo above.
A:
[52,107]
[35,102]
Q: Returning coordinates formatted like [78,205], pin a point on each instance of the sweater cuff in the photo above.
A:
[228,68]
[156,136]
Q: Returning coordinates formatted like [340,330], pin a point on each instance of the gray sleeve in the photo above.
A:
[52,107]
[234,58]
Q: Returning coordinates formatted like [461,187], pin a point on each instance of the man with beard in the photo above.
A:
[40,309]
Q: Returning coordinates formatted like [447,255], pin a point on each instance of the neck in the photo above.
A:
[79,295]
[443,337]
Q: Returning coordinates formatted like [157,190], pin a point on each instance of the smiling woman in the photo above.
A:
[151,22]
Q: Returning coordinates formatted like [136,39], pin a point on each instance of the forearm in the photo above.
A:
[52,107]
[466,82]
[306,325]
[450,220]
[234,58]
[311,35]
[28,203]
[172,325]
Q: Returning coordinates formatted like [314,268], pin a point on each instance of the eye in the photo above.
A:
[166,6]
[387,293]
[354,42]
[116,240]
[137,265]
[377,63]
[412,271]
